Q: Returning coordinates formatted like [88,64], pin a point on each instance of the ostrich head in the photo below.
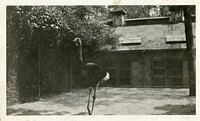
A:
[78,42]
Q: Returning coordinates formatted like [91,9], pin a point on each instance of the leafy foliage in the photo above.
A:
[85,22]
[136,11]
[39,36]
[175,11]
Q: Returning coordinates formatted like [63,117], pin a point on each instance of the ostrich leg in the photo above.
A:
[88,104]
[94,97]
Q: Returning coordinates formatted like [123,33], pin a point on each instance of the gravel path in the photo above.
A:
[113,101]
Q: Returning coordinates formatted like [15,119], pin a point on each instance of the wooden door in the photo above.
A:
[158,73]
[124,73]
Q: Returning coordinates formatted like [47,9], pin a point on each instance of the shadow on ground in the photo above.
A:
[81,113]
[178,109]
[22,111]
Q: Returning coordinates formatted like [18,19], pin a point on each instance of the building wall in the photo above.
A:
[141,64]
[168,55]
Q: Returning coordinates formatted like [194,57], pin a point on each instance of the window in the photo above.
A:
[175,39]
[167,73]
[119,73]
[174,73]
[131,41]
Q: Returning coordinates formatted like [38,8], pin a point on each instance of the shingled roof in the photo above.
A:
[152,37]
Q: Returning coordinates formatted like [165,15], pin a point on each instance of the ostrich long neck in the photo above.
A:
[80,52]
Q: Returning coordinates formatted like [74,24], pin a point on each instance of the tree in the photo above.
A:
[190,49]
[32,30]
[188,11]
[136,11]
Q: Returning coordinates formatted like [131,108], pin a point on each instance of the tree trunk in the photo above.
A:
[190,51]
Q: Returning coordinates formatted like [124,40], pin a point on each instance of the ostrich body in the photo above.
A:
[93,73]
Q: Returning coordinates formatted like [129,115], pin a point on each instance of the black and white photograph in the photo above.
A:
[100,60]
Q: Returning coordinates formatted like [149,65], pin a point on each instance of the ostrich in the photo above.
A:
[92,72]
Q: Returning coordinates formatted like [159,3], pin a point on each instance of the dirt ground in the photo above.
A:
[113,101]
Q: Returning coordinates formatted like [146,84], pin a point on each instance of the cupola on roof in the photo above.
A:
[118,11]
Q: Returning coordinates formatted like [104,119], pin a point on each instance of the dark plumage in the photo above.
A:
[92,73]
